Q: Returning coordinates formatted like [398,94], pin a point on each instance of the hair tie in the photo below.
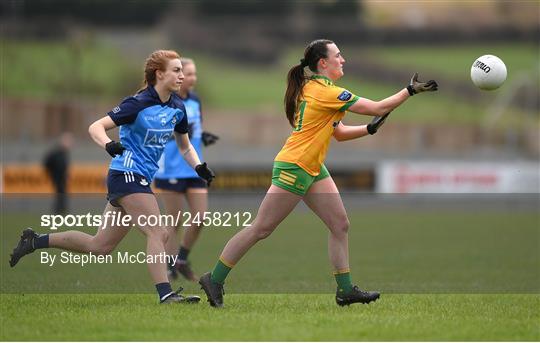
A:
[303,63]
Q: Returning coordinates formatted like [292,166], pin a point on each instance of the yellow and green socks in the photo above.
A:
[343,279]
[221,270]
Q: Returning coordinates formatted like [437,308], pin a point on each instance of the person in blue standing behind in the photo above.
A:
[177,180]
[147,122]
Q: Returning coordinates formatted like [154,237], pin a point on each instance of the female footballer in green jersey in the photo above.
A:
[314,108]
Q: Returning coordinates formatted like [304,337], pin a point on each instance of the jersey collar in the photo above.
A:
[322,77]
[153,93]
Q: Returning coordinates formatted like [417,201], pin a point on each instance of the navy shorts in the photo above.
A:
[180,184]
[120,183]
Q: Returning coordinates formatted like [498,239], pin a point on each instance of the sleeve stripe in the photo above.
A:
[349,103]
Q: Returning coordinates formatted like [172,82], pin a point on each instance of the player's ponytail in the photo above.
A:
[295,82]
[157,60]
[296,77]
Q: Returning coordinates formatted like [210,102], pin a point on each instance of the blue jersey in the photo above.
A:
[146,125]
[172,164]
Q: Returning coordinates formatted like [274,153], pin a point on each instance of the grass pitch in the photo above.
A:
[273,317]
[444,275]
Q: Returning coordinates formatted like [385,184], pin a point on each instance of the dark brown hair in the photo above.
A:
[296,78]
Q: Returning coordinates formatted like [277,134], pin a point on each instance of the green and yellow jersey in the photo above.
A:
[320,109]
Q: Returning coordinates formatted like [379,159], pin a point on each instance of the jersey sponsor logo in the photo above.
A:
[143,182]
[116,110]
[345,96]
[155,117]
[157,138]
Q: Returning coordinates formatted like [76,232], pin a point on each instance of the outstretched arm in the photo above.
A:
[380,108]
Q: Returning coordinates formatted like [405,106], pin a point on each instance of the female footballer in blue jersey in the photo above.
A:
[178,180]
[147,121]
[315,107]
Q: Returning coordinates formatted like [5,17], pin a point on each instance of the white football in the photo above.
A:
[488,72]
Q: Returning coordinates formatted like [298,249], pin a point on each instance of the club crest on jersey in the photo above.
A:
[344,96]
[143,182]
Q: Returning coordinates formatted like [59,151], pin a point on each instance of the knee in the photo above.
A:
[262,234]
[158,234]
[263,231]
[341,226]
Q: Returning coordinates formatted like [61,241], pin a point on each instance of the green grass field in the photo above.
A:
[271,317]
[444,275]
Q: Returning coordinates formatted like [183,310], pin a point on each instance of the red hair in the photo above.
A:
[157,60]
